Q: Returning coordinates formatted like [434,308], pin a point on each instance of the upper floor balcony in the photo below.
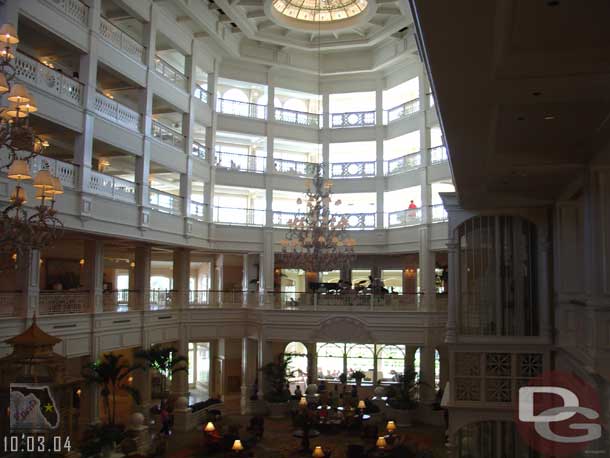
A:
[74,9]
[401,111]
[298,118]
[239,108]
[117,112]
[353,119]
[168,135]
[170,73]
[121,40]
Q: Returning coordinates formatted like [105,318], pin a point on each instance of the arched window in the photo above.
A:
[497,276]
[296,354]
[361,358]
[235,102]
[417,363]
[390,363]
[261,107]
[330,360]
[437,369]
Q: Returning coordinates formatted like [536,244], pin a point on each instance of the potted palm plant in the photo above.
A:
[166,362]
[402,397]
[275,376]
[358,376]
[111,374]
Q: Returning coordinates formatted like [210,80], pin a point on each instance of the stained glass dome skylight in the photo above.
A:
[320,10]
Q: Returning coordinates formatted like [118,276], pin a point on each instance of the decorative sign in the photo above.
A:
[32,407]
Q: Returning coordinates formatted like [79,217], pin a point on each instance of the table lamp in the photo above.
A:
[209,427]
[391,426]
[381,443]
[361,406]
[303,402]
[237,447]
[318,452]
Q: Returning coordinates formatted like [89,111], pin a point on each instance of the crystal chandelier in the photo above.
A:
[316,240]
[19,230]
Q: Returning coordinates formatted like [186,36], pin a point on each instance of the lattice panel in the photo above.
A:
[468,364]
[468,389]
[498,390]
[530,364]
[498,364]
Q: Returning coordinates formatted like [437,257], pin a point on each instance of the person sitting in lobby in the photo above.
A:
[297,393]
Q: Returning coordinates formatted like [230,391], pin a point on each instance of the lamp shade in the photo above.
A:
[3,84]
[19,170]
[381,442]
[18,196]
[43,193]
[209,427]
[237,447]
[361,404]
[303,402]
[14,111]
[43,179]
[19,94]
[58,188]
[29,107]
[8,34]
[318,452]
[391,426]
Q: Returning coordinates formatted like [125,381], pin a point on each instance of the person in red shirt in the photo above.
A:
[412,207]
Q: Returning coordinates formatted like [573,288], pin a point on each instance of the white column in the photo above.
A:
[264,357]
[427,265]
[452,265]
[28,278]
[244,375]
[268,261]
[427,373]
[142,277]
[379,179]
[181,272]
[93,272]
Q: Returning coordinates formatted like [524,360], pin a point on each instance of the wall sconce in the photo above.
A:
[79,392]
[82,261]
[130,379]
[410,272]
[132,264]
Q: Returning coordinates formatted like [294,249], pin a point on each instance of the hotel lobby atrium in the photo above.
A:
[304,228]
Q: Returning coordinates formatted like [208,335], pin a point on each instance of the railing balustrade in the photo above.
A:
[353,169]
[117,112]
[112,187]
[402,218]
[66,172]
[10,303]
[240,162]
[167,135]
[439,214]
[403,164]
[63,302]
[199,150]
[353,119]
[438,154]
[402,110]
[197,210]
[299,118]
[238,108]
[165,202]
[202,93]
[296,168]
[75,9]
[359,220]
[169,72]
[121,40]
[121,300]
[239,216]
[281,218]
[37,74]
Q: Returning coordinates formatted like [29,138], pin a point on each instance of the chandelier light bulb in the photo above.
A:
[19,197]
[6,54]
[8,34]
[14,111]
[3,84]
[19,94]
[58,188]
[29,107]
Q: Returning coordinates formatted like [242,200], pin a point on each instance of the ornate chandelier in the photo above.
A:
[19,230]
[316,240]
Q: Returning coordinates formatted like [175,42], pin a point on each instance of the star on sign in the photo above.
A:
[48,407]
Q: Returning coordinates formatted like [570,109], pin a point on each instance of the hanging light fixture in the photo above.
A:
[20,229]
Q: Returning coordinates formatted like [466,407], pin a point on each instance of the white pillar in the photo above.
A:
[264,357]
[427,265]
[93,272]
[244,375]
[180,385]
[268,261]
[452,305]
[427,373]
[142,277]
[28,278]
[181,272]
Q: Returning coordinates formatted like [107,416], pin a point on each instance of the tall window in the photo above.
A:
[392,279]
[199,365]
[330,360]
[361,358]
[360,277]
[417,363]
[437,369]
[390,362]
[296,353]
[497,276]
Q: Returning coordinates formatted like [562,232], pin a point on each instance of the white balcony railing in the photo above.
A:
[63,302]
[66,172]
[120,40]
[353,169]
[401,111]
[117,112]
[165,202]
[403,164]
[197,210]
[167,135]
[199,150]
[112,187]
[75,9]
[38,75]
[439,214]
[10,303]
[240,162]
[438,154]
[169,72]
[359,220]
[282,218]
[121,300]
[353,119]
[296,168]
[239,216]
[237,108]
[298,118]
[402,218]
[202,93]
